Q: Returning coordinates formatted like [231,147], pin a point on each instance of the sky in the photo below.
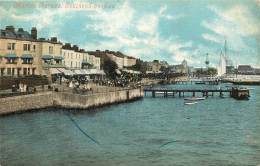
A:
[170,30]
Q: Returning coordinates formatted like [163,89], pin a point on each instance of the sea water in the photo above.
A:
[151,131]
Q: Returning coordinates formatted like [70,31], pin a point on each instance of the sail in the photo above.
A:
[222,65]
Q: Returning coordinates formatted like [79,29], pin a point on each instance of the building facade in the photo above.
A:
[50,55]
[75,58]
[153,67]
[120,59]
[21,53]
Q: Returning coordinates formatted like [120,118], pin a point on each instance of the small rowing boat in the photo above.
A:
[190,103]
[195,98]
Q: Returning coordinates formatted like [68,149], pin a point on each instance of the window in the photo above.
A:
[9,70]
[34,47]
[11,46]
[27,47]
[50,49]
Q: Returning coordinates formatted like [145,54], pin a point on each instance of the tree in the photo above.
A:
[212,71]
[110,68]
[209,72]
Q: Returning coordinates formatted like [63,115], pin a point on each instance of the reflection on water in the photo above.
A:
[152,131]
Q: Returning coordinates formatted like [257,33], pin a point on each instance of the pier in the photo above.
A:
[231,92]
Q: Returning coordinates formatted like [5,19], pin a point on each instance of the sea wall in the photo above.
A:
[26,102]
[66,100]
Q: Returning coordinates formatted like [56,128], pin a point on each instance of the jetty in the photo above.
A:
[237,93]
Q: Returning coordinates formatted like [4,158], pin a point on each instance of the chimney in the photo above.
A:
[20,29]
[54,39]
[75,48]
[67,46]
[10,28]
[34,33]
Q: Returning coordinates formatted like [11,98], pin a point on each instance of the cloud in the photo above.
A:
[240,18]
[236,24]
[111,23]
[148,24]
[213,38]
[43,17]
[135,34]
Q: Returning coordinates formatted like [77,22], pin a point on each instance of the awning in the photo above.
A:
[47,57]
[66,72]
[131,71]
[86,72]
[95,72]
[58,57]
[54,71]
[11,56]
[86,63]
[78,72]
[27,56]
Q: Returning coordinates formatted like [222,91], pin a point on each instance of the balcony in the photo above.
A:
[11,63]
[46,65]
[29,63]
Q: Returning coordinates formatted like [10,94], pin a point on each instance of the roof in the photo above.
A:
[58,57]
[21,34]
[47,57]
[11,56]
[244,67]
[27,56]
[15,34]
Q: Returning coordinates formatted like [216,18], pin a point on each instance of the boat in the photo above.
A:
[195,98]
[190,103]
[200,83]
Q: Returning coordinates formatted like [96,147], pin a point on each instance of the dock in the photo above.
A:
[237,93]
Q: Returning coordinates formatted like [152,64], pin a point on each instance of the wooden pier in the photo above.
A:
[207,82]
[232,92]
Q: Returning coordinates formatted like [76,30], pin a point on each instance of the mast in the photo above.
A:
[258,52]
[207,60]
[225,49]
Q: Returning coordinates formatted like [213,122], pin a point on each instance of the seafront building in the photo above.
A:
[119,58]
[73,57]
[76,58]
[22,53]
[19,52]
[79,62]
[153,67]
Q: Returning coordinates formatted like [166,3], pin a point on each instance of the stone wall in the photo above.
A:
[66,100]
[26,102]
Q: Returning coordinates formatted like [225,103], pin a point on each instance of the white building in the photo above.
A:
[75,58]
[72,59]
